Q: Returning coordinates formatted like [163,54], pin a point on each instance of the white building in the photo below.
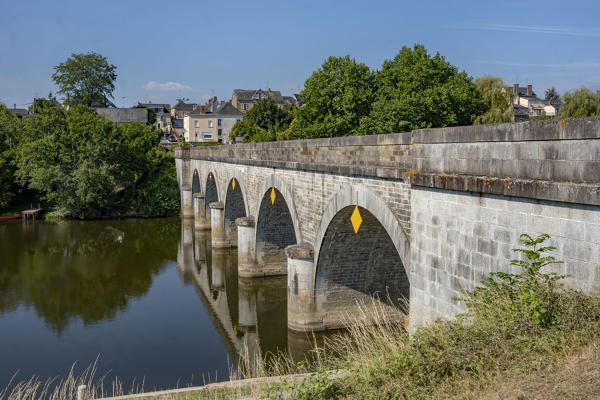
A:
[204,126]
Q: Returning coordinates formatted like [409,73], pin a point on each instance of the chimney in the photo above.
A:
[529,90]
[203,109]
[15,106]
[215,99]
[516,89]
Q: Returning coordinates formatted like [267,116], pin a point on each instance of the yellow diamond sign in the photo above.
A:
[356,219]
[272,195]
[233,184]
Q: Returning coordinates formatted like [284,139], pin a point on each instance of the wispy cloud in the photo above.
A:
[166,86]
[550,30]
[590,64]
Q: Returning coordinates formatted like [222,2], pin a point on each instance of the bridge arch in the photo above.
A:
[211,192]
[352,265]
[276,225]
[235,207]
[196,186]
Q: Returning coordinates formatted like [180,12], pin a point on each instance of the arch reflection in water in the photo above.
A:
[250,314]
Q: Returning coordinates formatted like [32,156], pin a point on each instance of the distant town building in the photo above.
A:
[19,112]
[293,100]
[244,100]
[527,105]
[125,114]
[182,109]
[205,125]
[163,115]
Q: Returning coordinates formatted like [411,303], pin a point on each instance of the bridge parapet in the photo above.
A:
[547,160]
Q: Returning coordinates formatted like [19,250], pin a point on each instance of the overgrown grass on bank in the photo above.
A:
[514,324]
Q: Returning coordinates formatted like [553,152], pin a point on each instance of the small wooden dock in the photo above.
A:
[31,214]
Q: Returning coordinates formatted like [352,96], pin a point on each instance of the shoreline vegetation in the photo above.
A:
[522,335]
[80,165]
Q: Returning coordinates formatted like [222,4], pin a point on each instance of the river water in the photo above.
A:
[149,298]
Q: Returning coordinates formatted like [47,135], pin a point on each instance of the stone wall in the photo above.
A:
[458,238]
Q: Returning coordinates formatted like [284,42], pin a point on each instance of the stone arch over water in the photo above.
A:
[235,207]
[354,265]
[211,193]
[275,230]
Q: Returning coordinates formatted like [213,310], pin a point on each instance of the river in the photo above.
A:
[149,298]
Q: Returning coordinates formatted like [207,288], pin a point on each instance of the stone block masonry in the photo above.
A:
[441,209]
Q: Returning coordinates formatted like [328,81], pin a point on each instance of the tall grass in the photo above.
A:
[514,323]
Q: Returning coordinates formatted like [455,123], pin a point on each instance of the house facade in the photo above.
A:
[182,109]
[527,105]
[244,100]
[205,126]
[163,115]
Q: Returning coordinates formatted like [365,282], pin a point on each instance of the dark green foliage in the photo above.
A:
[8,129]
[552,95]
[158,196]
[581,103]
[85,166]
[416,90]
[86,79]
[41,103]
[498,99]
[335,97]
[264,121]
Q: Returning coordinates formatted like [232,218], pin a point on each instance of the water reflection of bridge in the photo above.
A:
[250,314]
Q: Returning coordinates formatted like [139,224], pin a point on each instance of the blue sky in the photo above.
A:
[194,49]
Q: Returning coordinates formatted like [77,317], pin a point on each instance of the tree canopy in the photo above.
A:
[8,129]
[552,94]
[498,99]
[85,166]
[416,90]
[86,79]
[335,97]
[264,121]
[581,103]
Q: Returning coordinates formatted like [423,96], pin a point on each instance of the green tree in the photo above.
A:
[335,97]
[40,102]
[581,103]
[86,79]
[265,114]
[246,129]
[416,90]
[552,94]
[81,163]
[8,129]
[498,99]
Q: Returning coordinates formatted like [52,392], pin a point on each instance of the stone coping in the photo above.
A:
[199,195]
[563,129]
[217,205]
[302,251]
[245,221]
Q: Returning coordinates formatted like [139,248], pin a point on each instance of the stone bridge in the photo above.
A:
[411,218]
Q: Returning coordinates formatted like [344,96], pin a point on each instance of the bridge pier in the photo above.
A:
[247,266]
[217,226]
[302,311]
[200,221]
[186,198]
[219,259]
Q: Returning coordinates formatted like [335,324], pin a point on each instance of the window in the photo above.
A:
[196,123]
[162,118]
[210,123]
[245,107]
[220,132]
[218,122]
[206,135]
